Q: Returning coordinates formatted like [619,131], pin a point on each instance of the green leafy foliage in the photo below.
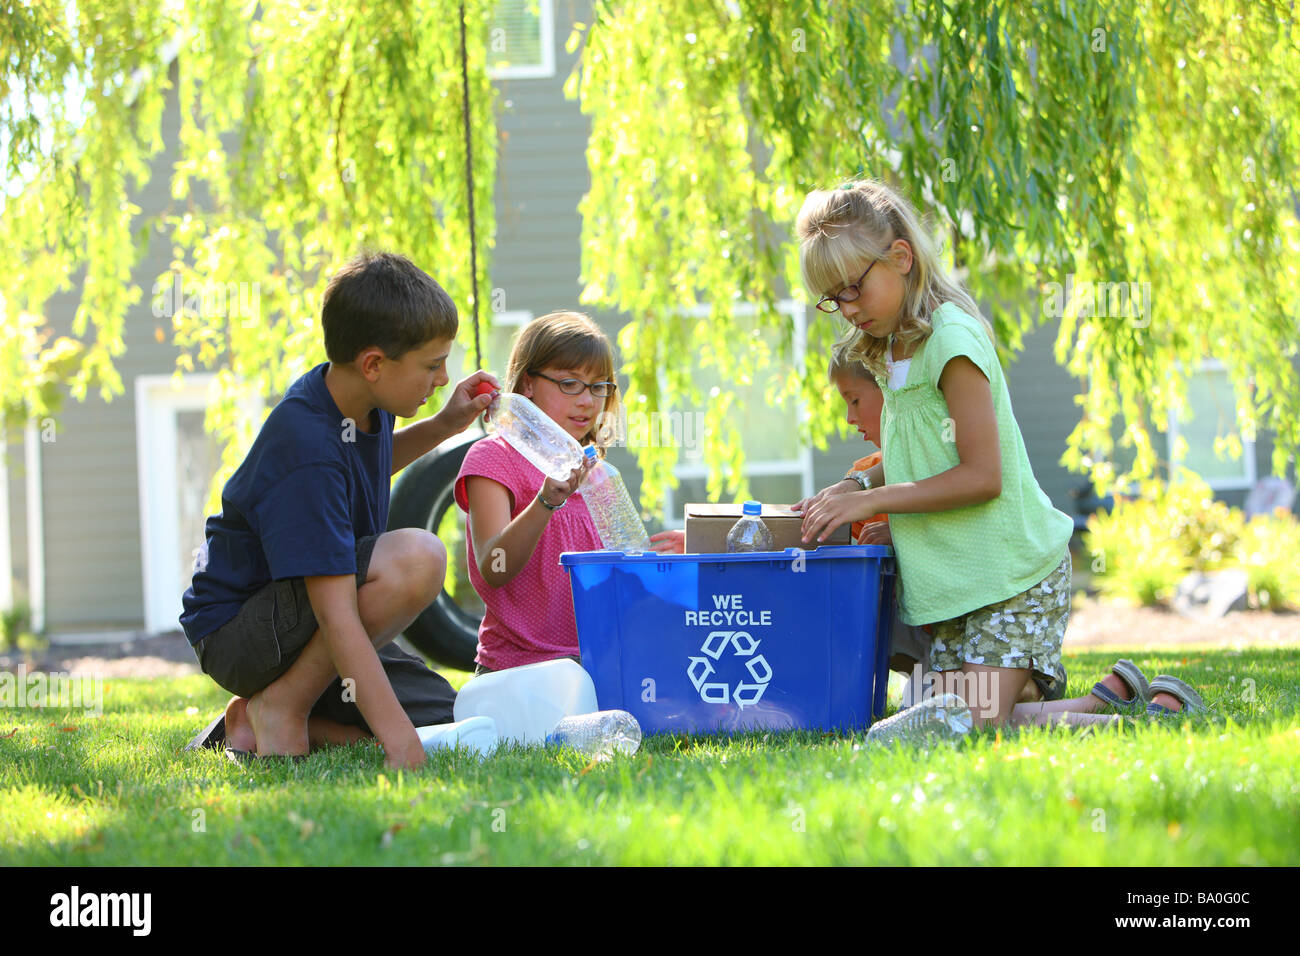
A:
[1075,144]
[307,132]
[1054,146]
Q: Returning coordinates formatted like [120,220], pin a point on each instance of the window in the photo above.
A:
[1210,416]
[779,468]
[521,40]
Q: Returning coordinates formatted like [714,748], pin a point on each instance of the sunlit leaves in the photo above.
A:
[1146,143]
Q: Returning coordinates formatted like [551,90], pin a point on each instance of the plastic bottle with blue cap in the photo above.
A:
[619,526]
[749,533]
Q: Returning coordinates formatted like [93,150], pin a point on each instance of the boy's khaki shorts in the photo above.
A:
[1024,631]
[256,646]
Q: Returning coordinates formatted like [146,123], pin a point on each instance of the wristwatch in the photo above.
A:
[861,477]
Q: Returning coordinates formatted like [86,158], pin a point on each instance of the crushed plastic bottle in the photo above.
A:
[749,533]
[532,433]
[599,735]
[944,717]
[619,526]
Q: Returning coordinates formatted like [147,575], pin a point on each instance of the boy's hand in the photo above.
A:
[669,542]
[405,753]
[463,405]
[832,511]
[842,487]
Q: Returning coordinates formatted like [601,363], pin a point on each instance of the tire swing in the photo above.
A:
[445,632]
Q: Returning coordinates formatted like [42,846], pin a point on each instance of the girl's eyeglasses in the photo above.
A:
[572,386]
[831,303]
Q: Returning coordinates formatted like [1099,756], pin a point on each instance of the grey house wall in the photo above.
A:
[93,548]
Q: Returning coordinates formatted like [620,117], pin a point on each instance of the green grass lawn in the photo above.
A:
[116,790]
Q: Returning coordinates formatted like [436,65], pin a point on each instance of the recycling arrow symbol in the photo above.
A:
[743,645]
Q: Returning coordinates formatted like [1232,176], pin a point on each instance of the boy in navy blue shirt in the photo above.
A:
[297,582]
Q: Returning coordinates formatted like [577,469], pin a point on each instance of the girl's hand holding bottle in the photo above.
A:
[555,493]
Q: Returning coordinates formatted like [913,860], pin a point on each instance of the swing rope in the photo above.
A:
[469,190]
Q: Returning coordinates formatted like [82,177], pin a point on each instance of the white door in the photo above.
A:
[176,461]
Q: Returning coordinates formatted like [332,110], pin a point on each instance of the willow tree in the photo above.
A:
[1139,142]
[307,131]
[1117,141]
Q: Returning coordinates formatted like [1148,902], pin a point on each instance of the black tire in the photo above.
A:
[445,632]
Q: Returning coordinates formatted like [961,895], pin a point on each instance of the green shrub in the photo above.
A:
[1134,556]
[1268,551]
[16,629]
[1207,531]
[1144,546]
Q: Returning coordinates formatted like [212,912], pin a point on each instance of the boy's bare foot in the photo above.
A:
[239,731]
[277,729]
[322,731]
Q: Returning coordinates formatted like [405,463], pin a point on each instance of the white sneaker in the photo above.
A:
[476,734]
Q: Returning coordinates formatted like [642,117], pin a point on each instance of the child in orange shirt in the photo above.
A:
[909,647]
[864,400]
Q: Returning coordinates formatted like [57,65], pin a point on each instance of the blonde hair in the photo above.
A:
[839,229]
[567,340]
[844,363]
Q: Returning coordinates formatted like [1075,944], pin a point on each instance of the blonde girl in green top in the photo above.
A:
[984,555]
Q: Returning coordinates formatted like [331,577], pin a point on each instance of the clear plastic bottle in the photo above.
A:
[944,717]
[533,433]
[619,526]
[749,533]
[599,734]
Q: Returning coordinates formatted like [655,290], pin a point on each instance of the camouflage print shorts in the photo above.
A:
[1024,631]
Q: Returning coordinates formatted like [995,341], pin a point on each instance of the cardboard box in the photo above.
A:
[707,526]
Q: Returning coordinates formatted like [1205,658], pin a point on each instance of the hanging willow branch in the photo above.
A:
[1082,143]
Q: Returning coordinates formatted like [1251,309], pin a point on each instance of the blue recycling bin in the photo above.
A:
[778,640]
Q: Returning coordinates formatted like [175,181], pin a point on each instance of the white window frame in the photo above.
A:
[1245,482]
[535,71]
[158,399]
[801,466]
